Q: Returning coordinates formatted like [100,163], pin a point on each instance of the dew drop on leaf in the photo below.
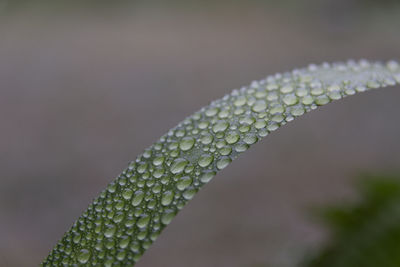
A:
[179,165]
[83,256]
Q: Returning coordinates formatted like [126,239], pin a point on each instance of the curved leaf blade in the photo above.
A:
[131,212]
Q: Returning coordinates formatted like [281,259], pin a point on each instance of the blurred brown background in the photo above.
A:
[86,86]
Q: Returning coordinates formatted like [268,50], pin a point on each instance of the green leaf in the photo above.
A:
[132,211]
[365,233]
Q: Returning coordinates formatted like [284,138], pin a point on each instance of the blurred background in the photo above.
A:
[85,86]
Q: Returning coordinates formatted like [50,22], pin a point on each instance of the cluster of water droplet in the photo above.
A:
[129,215]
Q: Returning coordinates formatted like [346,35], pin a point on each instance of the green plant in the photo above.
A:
[131,212]
[365,233]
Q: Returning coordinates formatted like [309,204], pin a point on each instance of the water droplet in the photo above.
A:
[220,144]
[124,242]
[77,238]
[286,89]
[127,194]
[301,92]
[307,100]
[244,128]
[147,153]
[186,143]
[333,88]
[335,95]
[261,94]
[84,256]
[272,86]
[207,176]
[220,126]
[119,217]
[211,112]
[130,222]
[259,106]
[189,169]
[142,167]
[232,137]
[277,118]
[206,139]
[143,222]
[317,91]
[184,182]
[250,139]
[290,99]
[238,111]
[272,127]
[247,120]
[167,198]
[241,147]
[240,101]
[137,199]
[373,84]
[272,96]
[158,161]
[322,100]
[179,165]
[277,109]
[110,230]
[167,217]
[188,194]
[223,114]
[260,124]
[297,111]
[223,162]
[225,151]
[158,172]
[180,132]
[135,247]
[393,66]
[121,255]
[112,187]
[205,160]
